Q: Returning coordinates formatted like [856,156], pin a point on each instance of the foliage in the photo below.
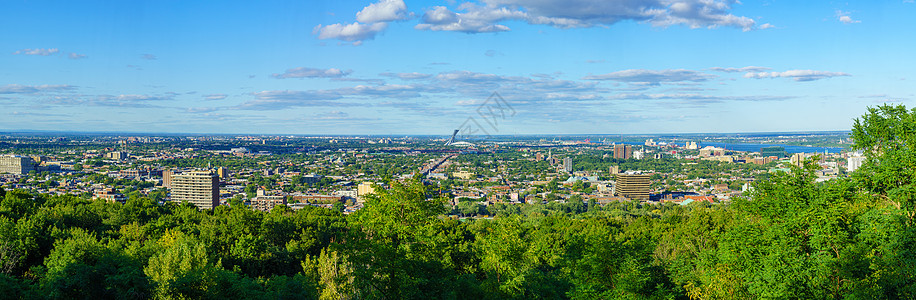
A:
[790,238]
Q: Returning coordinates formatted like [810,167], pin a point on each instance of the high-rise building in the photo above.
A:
[200,188]
[613,170]
[167,178]
[16,164]
[633,186]
[798,159]
[567,164]
[365,188]
[854,162]
[776,151]
[622,151]
[222,172]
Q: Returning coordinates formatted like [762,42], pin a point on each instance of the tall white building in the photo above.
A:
[16,164]
[200,188]
[854,162]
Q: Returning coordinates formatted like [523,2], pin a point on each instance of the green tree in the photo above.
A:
[887,136]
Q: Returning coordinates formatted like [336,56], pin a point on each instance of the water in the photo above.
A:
[756,147]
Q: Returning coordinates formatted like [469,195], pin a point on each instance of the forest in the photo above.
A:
[791,237]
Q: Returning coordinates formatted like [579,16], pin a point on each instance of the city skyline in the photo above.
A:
[426,67]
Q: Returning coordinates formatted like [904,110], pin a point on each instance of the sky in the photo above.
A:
[486,67]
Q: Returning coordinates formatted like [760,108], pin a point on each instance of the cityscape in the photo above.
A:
[457,149]
[338,171]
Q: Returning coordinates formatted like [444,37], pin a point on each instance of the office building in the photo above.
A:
[567,164]
[110,195]
[222,172]
[622,151]
[798,159]
[776,151]
[854,162]
[633,186]
[167,178]
[712,151]
[365,188]
[267,203]
[613,170]
[117,155]
[200,188]
[16,164]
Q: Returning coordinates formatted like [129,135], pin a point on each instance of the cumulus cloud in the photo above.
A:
[694,98]
[370,21]
[476,18]
[201,109]
[356,32]
[33,89]
[38,51]
[652,77]
[126,100]
[383,11]
[407,76]
[312,73]
[797,75]
[136,97]
[843,16]
[215,96]
[387,90]
[743,69]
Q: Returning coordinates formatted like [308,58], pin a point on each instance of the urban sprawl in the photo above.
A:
[481,177]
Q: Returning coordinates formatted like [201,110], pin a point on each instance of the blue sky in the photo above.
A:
[428,67]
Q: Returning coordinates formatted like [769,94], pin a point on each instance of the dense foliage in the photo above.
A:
[790,238]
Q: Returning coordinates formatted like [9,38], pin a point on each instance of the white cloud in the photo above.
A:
[33,89]
[356,32]
[383,11]
[135,97]
[370,21]
[797,75]
[407,76]
[485,17]
[38,51]
[201,109]
[312,73]
[148,56]
[743,69]
[76,56]
[475,19]
[767,26]
[652,77]
[215,96]
[843,16]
